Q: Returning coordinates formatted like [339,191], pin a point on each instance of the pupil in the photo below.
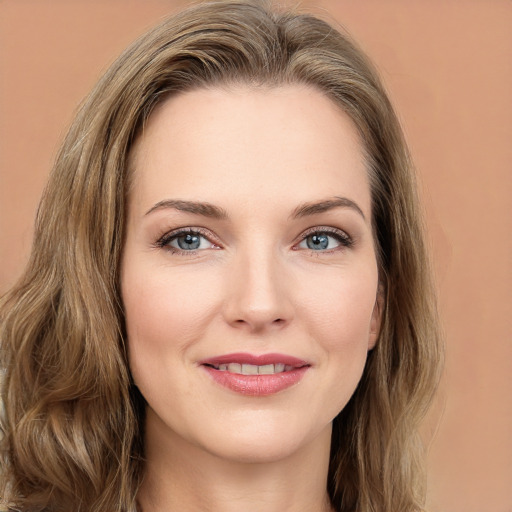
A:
[189,242]
[317,242]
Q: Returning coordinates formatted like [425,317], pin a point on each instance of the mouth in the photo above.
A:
[256,375]
[252,369]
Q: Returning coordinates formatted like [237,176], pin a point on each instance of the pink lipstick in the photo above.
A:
[255,375]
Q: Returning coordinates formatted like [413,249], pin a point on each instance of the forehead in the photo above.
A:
[250,142]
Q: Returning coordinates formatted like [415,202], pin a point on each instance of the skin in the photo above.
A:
[252,286]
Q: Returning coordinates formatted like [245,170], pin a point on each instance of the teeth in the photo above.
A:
[267,369]
[249,369]
[252,369]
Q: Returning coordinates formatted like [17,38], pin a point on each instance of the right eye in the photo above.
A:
[186,241]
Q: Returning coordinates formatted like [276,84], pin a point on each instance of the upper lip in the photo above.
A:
[255,359]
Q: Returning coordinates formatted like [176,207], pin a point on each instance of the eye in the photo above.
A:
[186,241]
[325,240]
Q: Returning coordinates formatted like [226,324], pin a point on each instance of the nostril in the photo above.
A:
[277,321]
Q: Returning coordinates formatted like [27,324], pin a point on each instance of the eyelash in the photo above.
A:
[345,241]
[340,236]
[165,240]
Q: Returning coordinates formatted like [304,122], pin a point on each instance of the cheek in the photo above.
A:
[339,319]
[339,307]
[165,313]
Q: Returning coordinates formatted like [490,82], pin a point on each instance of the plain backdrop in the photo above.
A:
[448,67]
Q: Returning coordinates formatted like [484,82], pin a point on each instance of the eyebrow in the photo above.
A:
[306,209]
[196,207]
[215,212]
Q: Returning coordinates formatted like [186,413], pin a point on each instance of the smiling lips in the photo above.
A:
[256,375]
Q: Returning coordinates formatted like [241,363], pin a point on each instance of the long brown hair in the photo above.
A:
[72,420]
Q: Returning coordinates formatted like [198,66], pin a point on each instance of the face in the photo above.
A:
[249,276]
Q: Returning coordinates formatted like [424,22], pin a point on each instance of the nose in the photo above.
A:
[258,298]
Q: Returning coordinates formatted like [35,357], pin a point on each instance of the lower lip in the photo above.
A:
[257,385]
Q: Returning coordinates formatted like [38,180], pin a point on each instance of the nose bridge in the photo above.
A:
[258,296]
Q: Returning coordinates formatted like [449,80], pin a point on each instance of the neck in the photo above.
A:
[182,477]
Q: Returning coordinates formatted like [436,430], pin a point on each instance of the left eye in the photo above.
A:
[189,241]
[321,241]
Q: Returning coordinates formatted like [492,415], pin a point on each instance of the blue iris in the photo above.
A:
[317,242]
[189,242]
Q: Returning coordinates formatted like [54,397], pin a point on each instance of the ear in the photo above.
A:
[376,319]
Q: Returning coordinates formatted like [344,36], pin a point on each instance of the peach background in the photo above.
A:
[448,67]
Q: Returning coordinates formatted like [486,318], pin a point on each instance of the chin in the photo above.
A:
[264,442]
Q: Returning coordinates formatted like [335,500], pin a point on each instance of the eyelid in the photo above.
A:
[342,236]
[168,236]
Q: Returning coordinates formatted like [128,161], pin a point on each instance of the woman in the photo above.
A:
[228,303]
